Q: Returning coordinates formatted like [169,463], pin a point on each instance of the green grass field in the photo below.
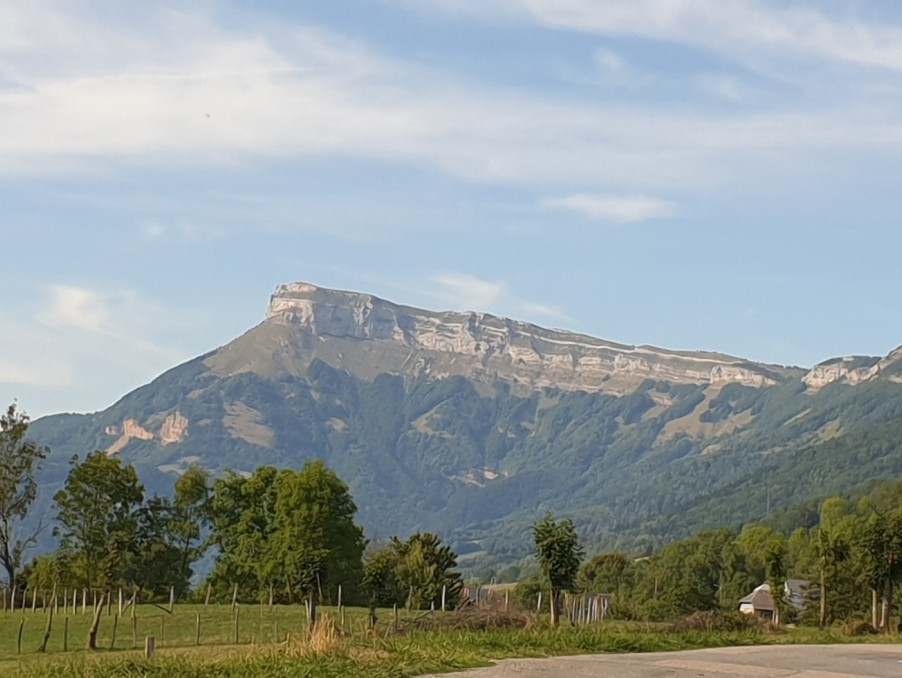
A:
[276,643]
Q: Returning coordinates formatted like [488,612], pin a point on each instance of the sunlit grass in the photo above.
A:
[351,650]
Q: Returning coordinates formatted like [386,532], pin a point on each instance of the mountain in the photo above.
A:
[473,425]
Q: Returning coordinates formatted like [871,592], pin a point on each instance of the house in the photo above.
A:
[796,592]
[759,602]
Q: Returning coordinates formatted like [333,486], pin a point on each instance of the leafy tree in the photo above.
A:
[425,567]
[98,520]
[881,543]
[559,553]
[315,544]
[46,573]
[774,559]
[19,460]
[155,561]
[187,517]
[381,584]
[241,513]
[833,549]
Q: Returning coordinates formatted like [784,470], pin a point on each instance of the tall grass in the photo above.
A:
[328,653]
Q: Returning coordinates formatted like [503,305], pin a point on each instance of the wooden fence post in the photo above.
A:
[47,629]
[149,647]
[236,625]
[444,594]
[197,628]
[66,633]
[115,626]
[171,599]
[19,637]
[207,598]
[95,625]
[234,598]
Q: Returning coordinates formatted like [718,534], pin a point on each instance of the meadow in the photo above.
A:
[276,642]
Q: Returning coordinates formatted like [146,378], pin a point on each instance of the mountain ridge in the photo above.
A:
[471,425]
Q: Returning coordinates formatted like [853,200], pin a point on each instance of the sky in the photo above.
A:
[691,174]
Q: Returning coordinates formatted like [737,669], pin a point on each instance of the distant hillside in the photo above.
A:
[473,425]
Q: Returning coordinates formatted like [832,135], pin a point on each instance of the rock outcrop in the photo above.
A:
[172,431]
[367,336]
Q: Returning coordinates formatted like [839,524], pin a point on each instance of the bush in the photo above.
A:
[477,619]
[857,628]
[713,620]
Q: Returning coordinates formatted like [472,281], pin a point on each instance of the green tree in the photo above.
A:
[881,544]
[154,563]
[187,517]
[241,513]
[381,584]
[316,546]
[774,559]
[98,517]
[425,567]
[606,573]
[559,553]
[19,460]
[833,549]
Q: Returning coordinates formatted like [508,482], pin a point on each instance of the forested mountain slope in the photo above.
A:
[473,426]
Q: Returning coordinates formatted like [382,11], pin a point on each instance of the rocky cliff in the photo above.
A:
[330,325]
[473,425]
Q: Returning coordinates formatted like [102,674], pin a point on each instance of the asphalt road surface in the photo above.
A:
[778,661]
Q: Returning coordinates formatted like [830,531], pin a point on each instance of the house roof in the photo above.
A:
[760,599]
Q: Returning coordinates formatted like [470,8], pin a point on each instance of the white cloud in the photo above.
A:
[723,87]
[88,344]
[619,209]
[746,30]
[77,307]
[204,96]
[467,292]
[180,230]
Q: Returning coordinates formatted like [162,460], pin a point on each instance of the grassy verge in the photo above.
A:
[328,654]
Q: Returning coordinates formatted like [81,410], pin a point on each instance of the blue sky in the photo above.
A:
[695,174]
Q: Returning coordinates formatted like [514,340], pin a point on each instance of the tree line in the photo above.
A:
[852,561]
[290,536]
[278,534]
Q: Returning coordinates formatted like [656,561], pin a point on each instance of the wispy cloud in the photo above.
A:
[461,292]
[745,30]
[91,341]
[206,96]
[180,230]
[619,209]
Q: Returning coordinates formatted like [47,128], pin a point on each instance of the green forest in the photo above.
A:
[291,536]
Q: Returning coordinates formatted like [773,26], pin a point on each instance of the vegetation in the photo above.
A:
[453,643]
[281,537]
[559,553]
[635,473]
[419,573]
[19,461]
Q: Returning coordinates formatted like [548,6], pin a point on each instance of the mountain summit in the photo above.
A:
[368,336]
[472,425]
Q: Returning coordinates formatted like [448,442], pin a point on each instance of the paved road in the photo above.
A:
[777,661]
